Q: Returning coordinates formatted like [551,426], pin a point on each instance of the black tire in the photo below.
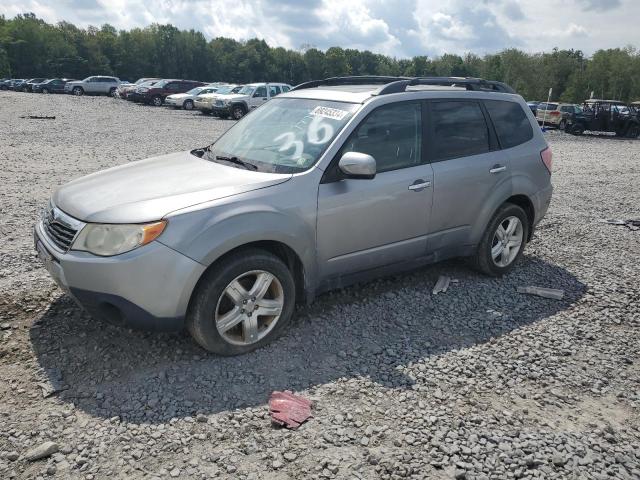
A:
[483,260]
[188,105]
[45,90]
[562,125]
[238,111]
[78,91]
[157,101]
[577,130]
[112,92]
[200,318]
[633,131]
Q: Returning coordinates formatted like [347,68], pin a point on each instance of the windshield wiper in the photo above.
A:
[237,161]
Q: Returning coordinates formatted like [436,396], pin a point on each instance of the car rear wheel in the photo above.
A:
[242,304]
[188,105]
[562,125]
[156,101]
[237,112]
[633,131]
[503,241]
[78,91]
[112,92]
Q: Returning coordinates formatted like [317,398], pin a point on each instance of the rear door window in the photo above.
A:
[510,121]
[458,129]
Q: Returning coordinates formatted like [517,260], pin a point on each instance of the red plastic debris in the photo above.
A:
[289,410]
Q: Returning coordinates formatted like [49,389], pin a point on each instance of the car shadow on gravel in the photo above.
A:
[371,330]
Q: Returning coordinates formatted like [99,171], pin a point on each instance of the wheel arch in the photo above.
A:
[526,204]
[277,248]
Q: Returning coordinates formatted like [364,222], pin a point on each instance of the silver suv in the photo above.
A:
[337,181]
[93,85]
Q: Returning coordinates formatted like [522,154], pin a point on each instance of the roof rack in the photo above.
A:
[354,80]
[400,84]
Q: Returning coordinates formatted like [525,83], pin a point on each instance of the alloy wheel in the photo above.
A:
[507,241]
[249,307]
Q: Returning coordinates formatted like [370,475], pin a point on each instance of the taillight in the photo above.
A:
[555,114]
[547,158]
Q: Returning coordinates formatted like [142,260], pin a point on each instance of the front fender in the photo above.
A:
[207,234]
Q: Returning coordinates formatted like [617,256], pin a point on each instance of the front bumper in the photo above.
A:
[225,110]
[172,102]
[148,288]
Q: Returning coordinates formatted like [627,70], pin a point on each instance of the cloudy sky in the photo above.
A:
[400,28]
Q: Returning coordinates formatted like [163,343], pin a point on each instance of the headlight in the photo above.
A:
[107,240]
[143,90]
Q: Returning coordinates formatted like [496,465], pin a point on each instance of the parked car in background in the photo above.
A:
[54,85]
[27,86]
[555,114]
[14,83]
[125,88]
[156,93]
[185,100]
[249,97]
[606,116]
[533,105]
[327,185]
[4,83]
[204,101]
[96,85]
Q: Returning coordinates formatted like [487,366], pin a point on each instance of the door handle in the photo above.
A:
[498,169]
[419,185]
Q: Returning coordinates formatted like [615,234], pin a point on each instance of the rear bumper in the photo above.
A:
[148,288]
[204,107]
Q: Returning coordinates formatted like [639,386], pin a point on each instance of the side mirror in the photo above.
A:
[358,165]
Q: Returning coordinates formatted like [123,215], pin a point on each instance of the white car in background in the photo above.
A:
[204,101]
[185,100]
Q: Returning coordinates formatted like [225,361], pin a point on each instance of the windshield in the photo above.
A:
[195,91]
[285,135]
[161,83]
[246,90]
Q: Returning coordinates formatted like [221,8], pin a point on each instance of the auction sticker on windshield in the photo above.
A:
[328,112]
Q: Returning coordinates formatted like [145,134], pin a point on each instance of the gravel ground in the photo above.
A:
[478,382]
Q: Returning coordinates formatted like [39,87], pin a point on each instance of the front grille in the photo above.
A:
[60,231]
[219,103]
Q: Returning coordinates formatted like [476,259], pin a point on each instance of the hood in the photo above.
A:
[233,96]
[75,82]
[178,95]
[147,190]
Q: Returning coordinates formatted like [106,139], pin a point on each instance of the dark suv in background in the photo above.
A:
[606,116]
[156,93]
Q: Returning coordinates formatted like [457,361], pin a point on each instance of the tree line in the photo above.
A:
[31,47]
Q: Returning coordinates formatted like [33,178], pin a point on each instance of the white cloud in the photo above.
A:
[399,27]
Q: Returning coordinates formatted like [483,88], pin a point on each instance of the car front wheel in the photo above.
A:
[503,241]
[242,303]
[78,91]
[237,112]
[156,101]
[45,90]
[188,105]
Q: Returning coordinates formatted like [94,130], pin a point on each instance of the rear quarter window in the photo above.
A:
[510,121]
